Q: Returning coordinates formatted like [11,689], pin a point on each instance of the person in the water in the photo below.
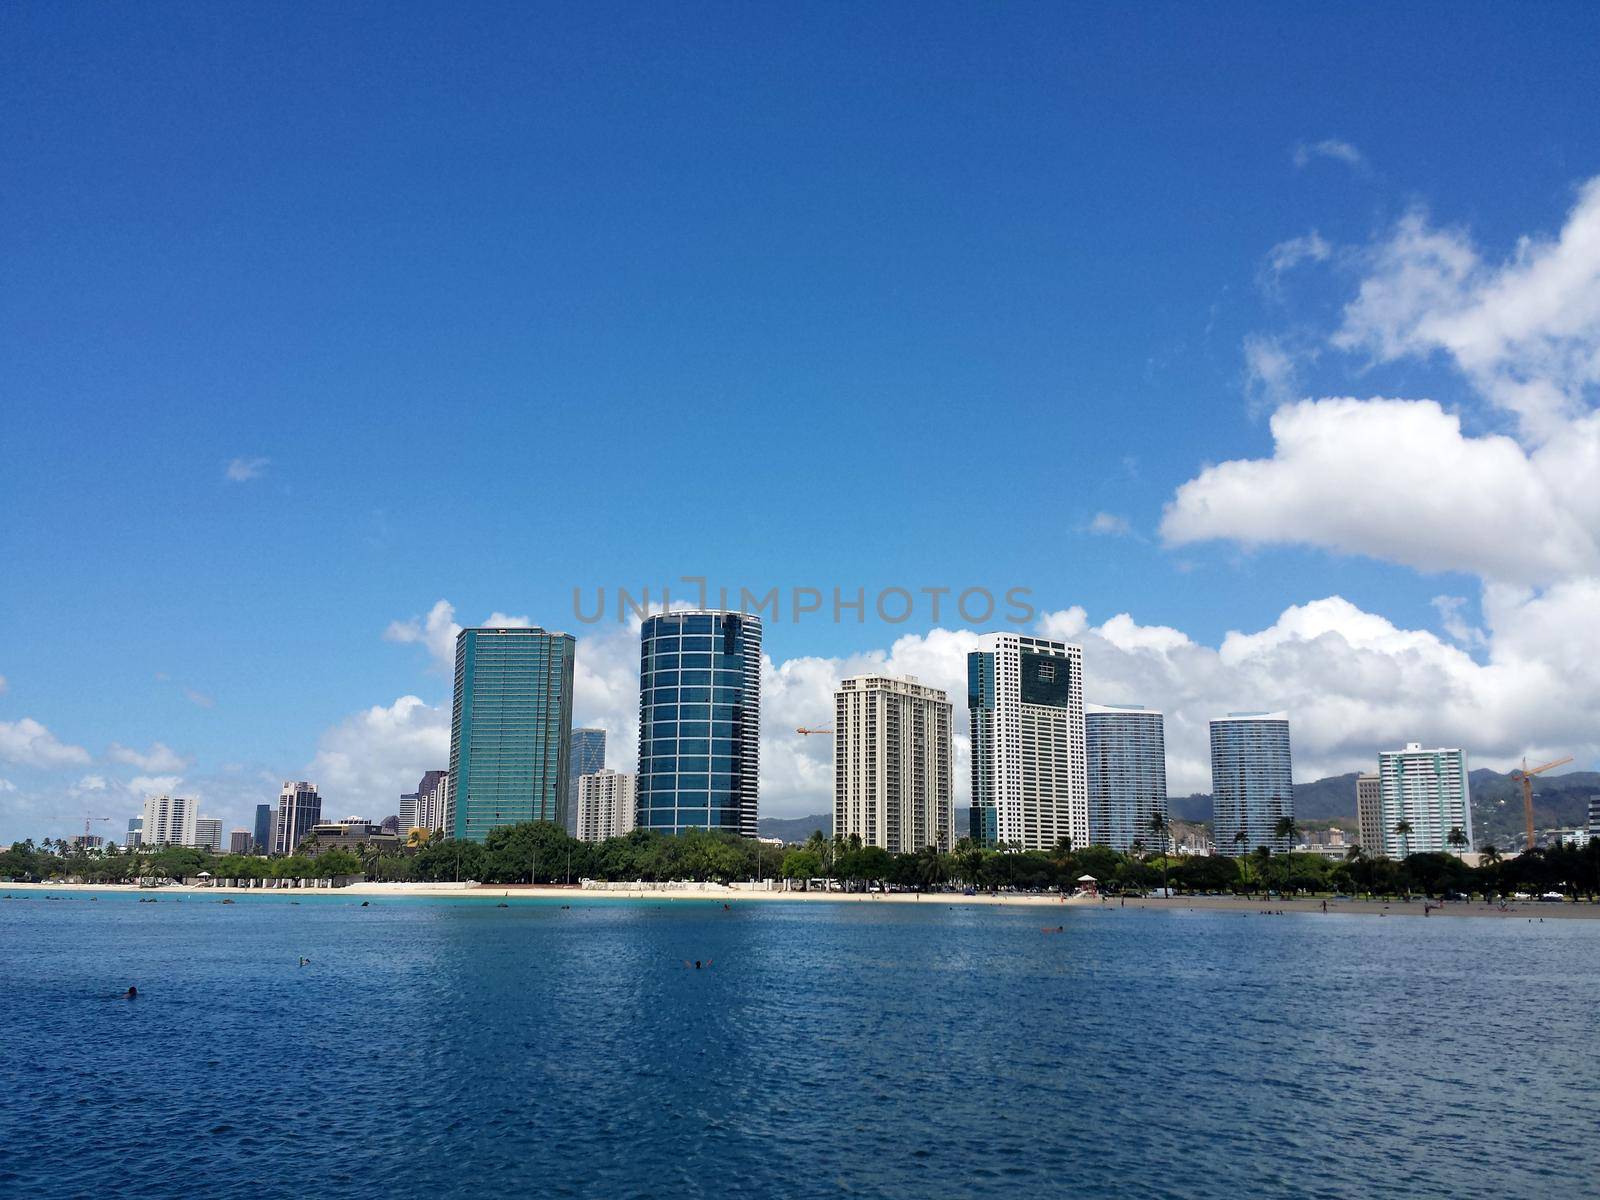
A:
[132,993]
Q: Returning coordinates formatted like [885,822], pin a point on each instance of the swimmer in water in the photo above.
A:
[304,961]
[132,993]
[697,965]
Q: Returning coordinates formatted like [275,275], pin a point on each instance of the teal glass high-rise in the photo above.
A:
[510,729]
[699,721]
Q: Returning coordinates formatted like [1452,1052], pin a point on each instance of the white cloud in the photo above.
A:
[1397,480]
[142,786]
[242,470]
[1287,255]
[436,632]
[1110,524]
[365,762]
[30,744]
[1331,148]
[7,786]
[156,760]
[1526,332]
[1270,375]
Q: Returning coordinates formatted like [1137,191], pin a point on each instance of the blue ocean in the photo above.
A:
[450,1047]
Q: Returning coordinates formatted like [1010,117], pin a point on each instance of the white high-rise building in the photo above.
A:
[1427,790]
[208,834]
[1252,782]
[891,764]
[1029,762]
[607,803]
[169,821]
[1127,775]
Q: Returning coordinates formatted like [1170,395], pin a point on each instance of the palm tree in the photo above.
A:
[1285,829]
[1489,854]
[417,837]
[1159,827]
[1456,839]
[1240,840]
[1402,829]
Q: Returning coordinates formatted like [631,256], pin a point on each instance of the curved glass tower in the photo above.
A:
[699,721]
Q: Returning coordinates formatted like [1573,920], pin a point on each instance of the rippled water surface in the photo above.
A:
[453,1048]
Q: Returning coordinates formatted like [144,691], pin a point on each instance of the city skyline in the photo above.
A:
[1246,315]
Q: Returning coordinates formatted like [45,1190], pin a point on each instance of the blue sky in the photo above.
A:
[492,302]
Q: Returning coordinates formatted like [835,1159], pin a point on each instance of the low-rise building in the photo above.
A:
[348,834]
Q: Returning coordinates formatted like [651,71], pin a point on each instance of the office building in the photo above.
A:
[1369,813]
[432,792]
[510,729]
[1252,782]
[169,821]
[263,833]
[299,808]
[891,764]
[240,841]
[208,834]
[588,756]
[407,816]
[699,721]
[1427,790]
[607,804]
[135,832]
[1029,761]
[1594,816]
[1127,776]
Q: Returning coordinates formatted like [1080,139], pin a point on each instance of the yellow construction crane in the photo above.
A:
[1526,776]
[803,730]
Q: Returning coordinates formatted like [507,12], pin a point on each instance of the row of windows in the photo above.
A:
[698,678]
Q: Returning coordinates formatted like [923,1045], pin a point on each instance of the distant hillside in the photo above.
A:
[795,829]
[1558,801]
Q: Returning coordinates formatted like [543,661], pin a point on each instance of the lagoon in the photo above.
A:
[453,1047]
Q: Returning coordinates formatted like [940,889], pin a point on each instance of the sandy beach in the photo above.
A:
[1417,907]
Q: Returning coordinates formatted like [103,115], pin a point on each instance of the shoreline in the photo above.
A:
[1522,909]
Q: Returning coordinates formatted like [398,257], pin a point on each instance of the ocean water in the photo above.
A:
[452,1048]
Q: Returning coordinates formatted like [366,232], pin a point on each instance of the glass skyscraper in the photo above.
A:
[510,729]
[263,835]
[588,756]
[699,721]
[1127,775]
[1252,782]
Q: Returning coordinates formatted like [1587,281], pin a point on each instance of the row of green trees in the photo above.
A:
[63,860]
[544,853]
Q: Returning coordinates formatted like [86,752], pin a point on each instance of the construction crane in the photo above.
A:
[88,819]
[1526,777]
[803,730]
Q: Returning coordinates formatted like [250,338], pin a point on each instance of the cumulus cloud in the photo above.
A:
[1334,149]
[158,759]
[29,744]
[242,470]
[1397,480]
[365,762]
[1526,331]
[436,632]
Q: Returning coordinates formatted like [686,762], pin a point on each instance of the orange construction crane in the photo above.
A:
[804,730]
[1526,776]
[88,818]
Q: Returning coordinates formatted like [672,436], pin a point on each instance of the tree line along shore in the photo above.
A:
[544,853]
